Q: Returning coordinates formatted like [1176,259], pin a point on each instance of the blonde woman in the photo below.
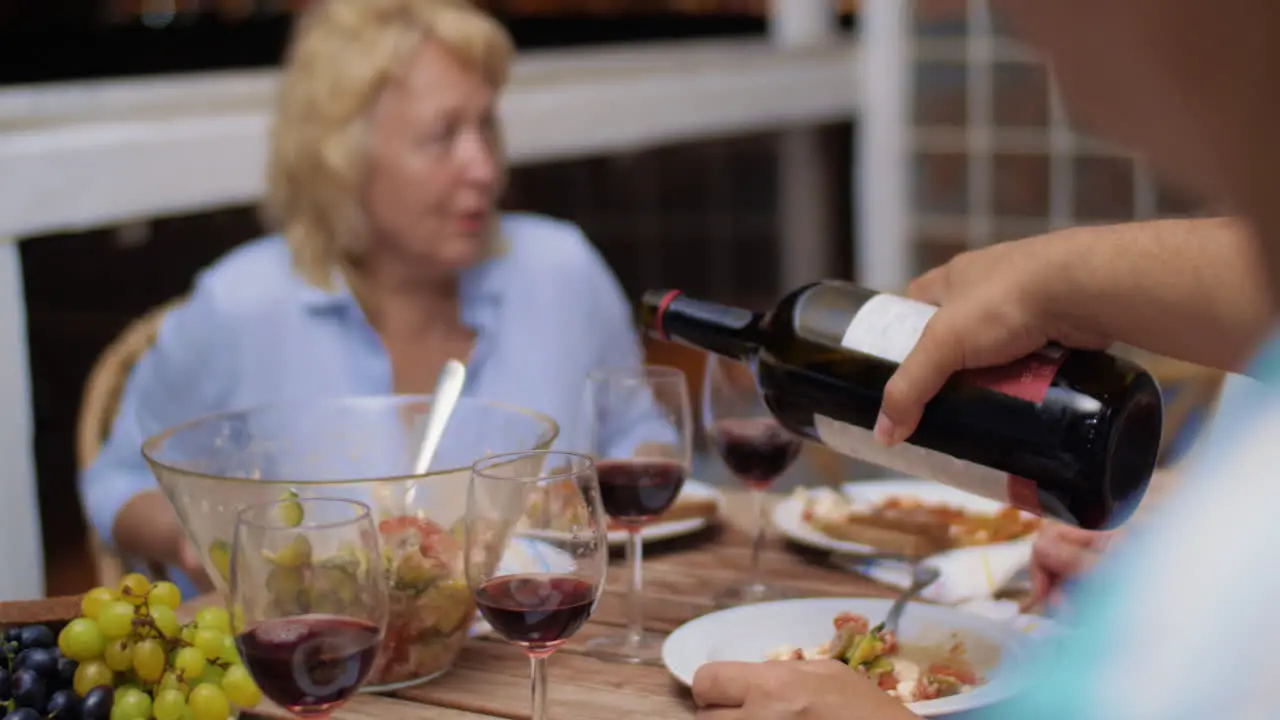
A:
[386,164]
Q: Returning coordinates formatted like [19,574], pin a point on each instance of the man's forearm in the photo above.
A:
[1195,290]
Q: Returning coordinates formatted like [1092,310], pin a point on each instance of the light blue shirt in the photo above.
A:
[547,311]
[1179,620]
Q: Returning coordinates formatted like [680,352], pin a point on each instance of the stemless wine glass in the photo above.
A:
[308,599]
[756,449]
[537,549]
[642,440]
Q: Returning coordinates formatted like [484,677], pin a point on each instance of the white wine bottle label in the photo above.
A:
[921,462]
[887,327]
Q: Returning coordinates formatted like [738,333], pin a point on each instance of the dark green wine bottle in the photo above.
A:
[1069,434]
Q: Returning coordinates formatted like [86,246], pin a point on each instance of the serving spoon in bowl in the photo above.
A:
[445,398]
[449,384]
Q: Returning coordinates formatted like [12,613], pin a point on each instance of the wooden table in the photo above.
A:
[491,677]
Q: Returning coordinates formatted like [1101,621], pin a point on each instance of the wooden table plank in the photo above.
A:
[493,677]
[676,593]
[378,707]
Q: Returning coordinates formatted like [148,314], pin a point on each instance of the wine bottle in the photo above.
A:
[1067,434]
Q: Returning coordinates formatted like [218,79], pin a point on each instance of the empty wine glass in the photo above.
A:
[309,599]
[756,449]
[642,440]
[537,550]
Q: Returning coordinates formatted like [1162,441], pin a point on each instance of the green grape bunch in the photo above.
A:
[131,641]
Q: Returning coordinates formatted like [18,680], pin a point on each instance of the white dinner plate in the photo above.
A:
[750,632]
[788,515]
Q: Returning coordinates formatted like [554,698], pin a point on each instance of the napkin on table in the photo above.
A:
[971,577]
[969,574]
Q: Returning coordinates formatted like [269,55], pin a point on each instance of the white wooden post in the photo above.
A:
[799,23]
[22,566]
[884,250]
[804,197]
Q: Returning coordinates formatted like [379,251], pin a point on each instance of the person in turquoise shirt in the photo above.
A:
[390,258]
[1177,620]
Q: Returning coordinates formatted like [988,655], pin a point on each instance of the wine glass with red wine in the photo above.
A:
[537,548]
[756,449]
[642,440]
[309,595]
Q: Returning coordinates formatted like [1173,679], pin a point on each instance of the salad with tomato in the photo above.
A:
[875,651]
[430,606]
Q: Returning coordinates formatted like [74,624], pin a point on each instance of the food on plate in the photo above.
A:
[127,657]
[876,652]
[909,525]
[556,500]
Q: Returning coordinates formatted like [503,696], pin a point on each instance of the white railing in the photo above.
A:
[148,148]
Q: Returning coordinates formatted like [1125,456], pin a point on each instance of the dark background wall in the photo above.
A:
[44,40]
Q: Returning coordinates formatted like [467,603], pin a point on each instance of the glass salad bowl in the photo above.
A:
[362,448]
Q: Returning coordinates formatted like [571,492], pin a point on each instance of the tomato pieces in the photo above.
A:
[434,542]
[961,675]
[858,624]
[403,523]
[926,691]
[890,640]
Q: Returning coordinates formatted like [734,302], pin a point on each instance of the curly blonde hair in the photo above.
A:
[343,54]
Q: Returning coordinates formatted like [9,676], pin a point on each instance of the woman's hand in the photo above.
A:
[790,690]
[147,527]
[1062,553]
[189,561]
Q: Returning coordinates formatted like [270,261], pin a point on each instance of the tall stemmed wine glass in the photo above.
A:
[755,447]
[642,438]
[309,598]
[537,549]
